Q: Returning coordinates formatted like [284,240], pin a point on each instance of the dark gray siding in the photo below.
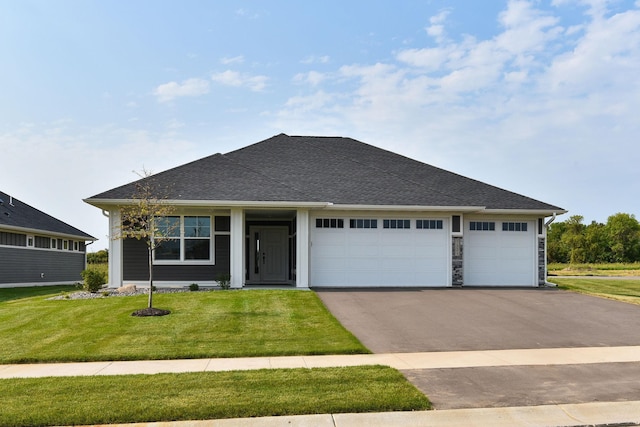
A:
[136,265]
[21,265]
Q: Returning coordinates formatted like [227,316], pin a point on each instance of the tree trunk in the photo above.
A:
[150,305]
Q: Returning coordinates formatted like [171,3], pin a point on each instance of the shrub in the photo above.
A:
[194,287]
[224,280]
[93,280]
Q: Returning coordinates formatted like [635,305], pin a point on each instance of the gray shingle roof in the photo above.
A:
[15,213]
[326,169]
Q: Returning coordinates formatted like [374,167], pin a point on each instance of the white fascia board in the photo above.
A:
[537,212]
[406,208]
[39,231]
[106,203]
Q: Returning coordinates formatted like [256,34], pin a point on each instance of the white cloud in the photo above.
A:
[313,59]
[234,78]
[312,78]
[436,29]
[232,60]
[190,87]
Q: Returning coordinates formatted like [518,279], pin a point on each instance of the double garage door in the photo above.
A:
[361,252]
[375,252]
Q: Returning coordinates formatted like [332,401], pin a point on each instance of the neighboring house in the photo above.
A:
[333,212]
[37,249]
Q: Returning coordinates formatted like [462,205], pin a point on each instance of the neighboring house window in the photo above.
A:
[12,239]
[482,226]
[429,224]
[184,238]
[363,223]
[43,242]
[65,244]
[329,223]
[514,226]
[396,223]
[30,241]
[76,246]
[53,243]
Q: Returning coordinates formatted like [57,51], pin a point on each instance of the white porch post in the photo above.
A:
[237,244]
[302,249]
[115,250]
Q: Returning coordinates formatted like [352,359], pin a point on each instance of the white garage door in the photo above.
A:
[499,253]
[379,252]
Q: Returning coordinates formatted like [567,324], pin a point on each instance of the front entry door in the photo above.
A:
[269,254]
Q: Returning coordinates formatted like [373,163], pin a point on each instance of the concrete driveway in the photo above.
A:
[391,321]
[433,320]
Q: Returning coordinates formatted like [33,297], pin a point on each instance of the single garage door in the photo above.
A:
[352,252]
[499,253]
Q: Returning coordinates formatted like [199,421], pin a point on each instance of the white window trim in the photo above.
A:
[182,238]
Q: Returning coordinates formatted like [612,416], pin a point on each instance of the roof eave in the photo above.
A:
[28,230]
[407,208]
[110,203]
[545,212]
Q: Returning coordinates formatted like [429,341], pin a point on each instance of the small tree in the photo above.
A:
[146,219]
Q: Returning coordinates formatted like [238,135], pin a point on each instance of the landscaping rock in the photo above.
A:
[127,289]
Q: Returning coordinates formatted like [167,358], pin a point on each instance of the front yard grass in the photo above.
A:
[622,290]
[193,396]
[201,325]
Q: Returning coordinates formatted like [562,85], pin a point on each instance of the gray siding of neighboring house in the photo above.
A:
[135,264]
[21,265]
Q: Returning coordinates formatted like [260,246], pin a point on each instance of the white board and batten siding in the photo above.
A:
[379,257]
[500,255]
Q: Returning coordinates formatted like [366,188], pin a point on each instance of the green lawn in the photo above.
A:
[622,290]
[606,269]
[148,398]
[201,324]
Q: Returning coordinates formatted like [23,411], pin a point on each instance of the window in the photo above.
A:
[65,244]
[30,241]
[514,226]
[363,223]
[53,243]
[396,223]
[429,224]
[329,223]
[197,233]
[455,223]
[43,242]
[183,238]
[482,226]
[76,246]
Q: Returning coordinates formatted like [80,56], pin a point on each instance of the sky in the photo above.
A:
[537,97]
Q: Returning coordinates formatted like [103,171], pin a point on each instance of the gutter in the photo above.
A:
[546,226]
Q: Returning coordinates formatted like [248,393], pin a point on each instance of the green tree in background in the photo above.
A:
[624,237]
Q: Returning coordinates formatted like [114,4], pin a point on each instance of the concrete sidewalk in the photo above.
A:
[598,413]
[584,414]
[401,361]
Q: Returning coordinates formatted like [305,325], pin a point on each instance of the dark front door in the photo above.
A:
[269,254]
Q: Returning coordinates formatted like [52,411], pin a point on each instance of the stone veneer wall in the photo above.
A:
[542,270]
[456,261]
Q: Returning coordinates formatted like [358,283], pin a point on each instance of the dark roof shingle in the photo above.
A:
[326,169]
[15,213]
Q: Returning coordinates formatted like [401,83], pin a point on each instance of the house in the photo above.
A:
[37,249]
[333,212]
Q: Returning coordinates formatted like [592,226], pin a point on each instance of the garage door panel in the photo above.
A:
[499,258]
[379,257]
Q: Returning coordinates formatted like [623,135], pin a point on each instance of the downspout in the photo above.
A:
[546,227]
